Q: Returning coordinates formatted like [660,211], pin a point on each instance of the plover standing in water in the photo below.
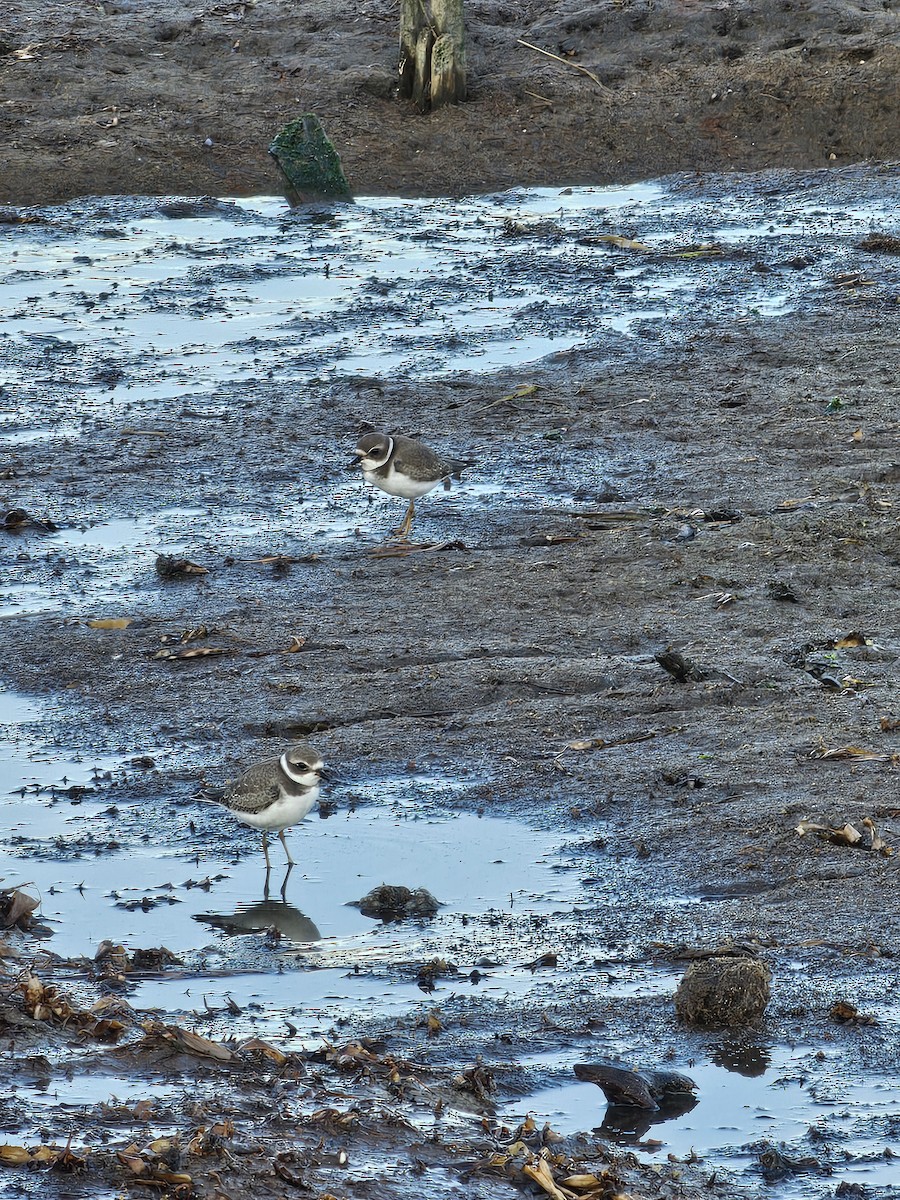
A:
[404,467]
[276,793]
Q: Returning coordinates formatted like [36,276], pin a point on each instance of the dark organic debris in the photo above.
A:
[641,1089]
[168,566]
[17,519]
[776,1164]
[547,959]
[394,902]
[680,668]
[479,1080]
[400,549]
[431,971]
[45,1002]
[783,592]
[848,1014]
[113,962]
[862,836]
[881,243]
[727,949]
[723,991]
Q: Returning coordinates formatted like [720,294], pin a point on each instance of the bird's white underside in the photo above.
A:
[396,484]
[285,811]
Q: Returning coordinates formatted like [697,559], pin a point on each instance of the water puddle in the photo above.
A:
[748,1100]
[137,305]
[290,947]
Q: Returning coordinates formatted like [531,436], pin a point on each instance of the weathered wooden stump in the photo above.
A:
[432,52]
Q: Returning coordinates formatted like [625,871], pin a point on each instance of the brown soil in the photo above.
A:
[135,97]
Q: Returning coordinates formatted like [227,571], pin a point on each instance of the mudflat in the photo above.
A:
[653,630]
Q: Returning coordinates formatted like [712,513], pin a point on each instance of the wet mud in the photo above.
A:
[657,636]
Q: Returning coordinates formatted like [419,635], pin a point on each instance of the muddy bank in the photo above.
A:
[124,99]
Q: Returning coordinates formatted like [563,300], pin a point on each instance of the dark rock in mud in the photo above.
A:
[395,903]
[639,1089]
[723,992]
[308,162]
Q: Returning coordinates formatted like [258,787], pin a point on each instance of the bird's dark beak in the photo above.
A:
[354,461]
[323,773]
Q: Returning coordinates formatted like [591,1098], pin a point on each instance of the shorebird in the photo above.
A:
[404,467]
[276,793]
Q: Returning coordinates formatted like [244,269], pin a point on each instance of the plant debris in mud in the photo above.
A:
[17,908]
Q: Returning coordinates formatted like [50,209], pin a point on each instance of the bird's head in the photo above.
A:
[372,451]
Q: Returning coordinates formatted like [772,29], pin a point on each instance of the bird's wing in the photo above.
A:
[417,461]
[253,781]
[253,801]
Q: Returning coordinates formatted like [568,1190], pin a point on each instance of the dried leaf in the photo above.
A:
[14,1156]
[703,251]
[16,907]
[170,567]
[195,1044]
[176,653]
[110,622]
[265,1048]
[798,502]
[865,836]
[132,1160]
[851,639]
[539,1171]
[623,243]
[857,753]
[847,835]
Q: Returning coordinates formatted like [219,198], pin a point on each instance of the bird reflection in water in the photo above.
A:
[273,917]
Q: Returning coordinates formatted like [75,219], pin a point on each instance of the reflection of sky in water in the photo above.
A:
[107,868]
[423,287]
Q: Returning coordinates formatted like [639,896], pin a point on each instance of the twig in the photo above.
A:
[538,96]
[566,63]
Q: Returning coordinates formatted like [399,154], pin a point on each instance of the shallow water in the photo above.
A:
[792,1097]
[252,289]
[109,306]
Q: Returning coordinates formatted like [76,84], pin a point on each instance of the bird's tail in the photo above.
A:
[458,465]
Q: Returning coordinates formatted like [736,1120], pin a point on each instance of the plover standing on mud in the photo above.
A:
[404,467]
[276,793]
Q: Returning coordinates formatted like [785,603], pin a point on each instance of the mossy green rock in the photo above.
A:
[309,162]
